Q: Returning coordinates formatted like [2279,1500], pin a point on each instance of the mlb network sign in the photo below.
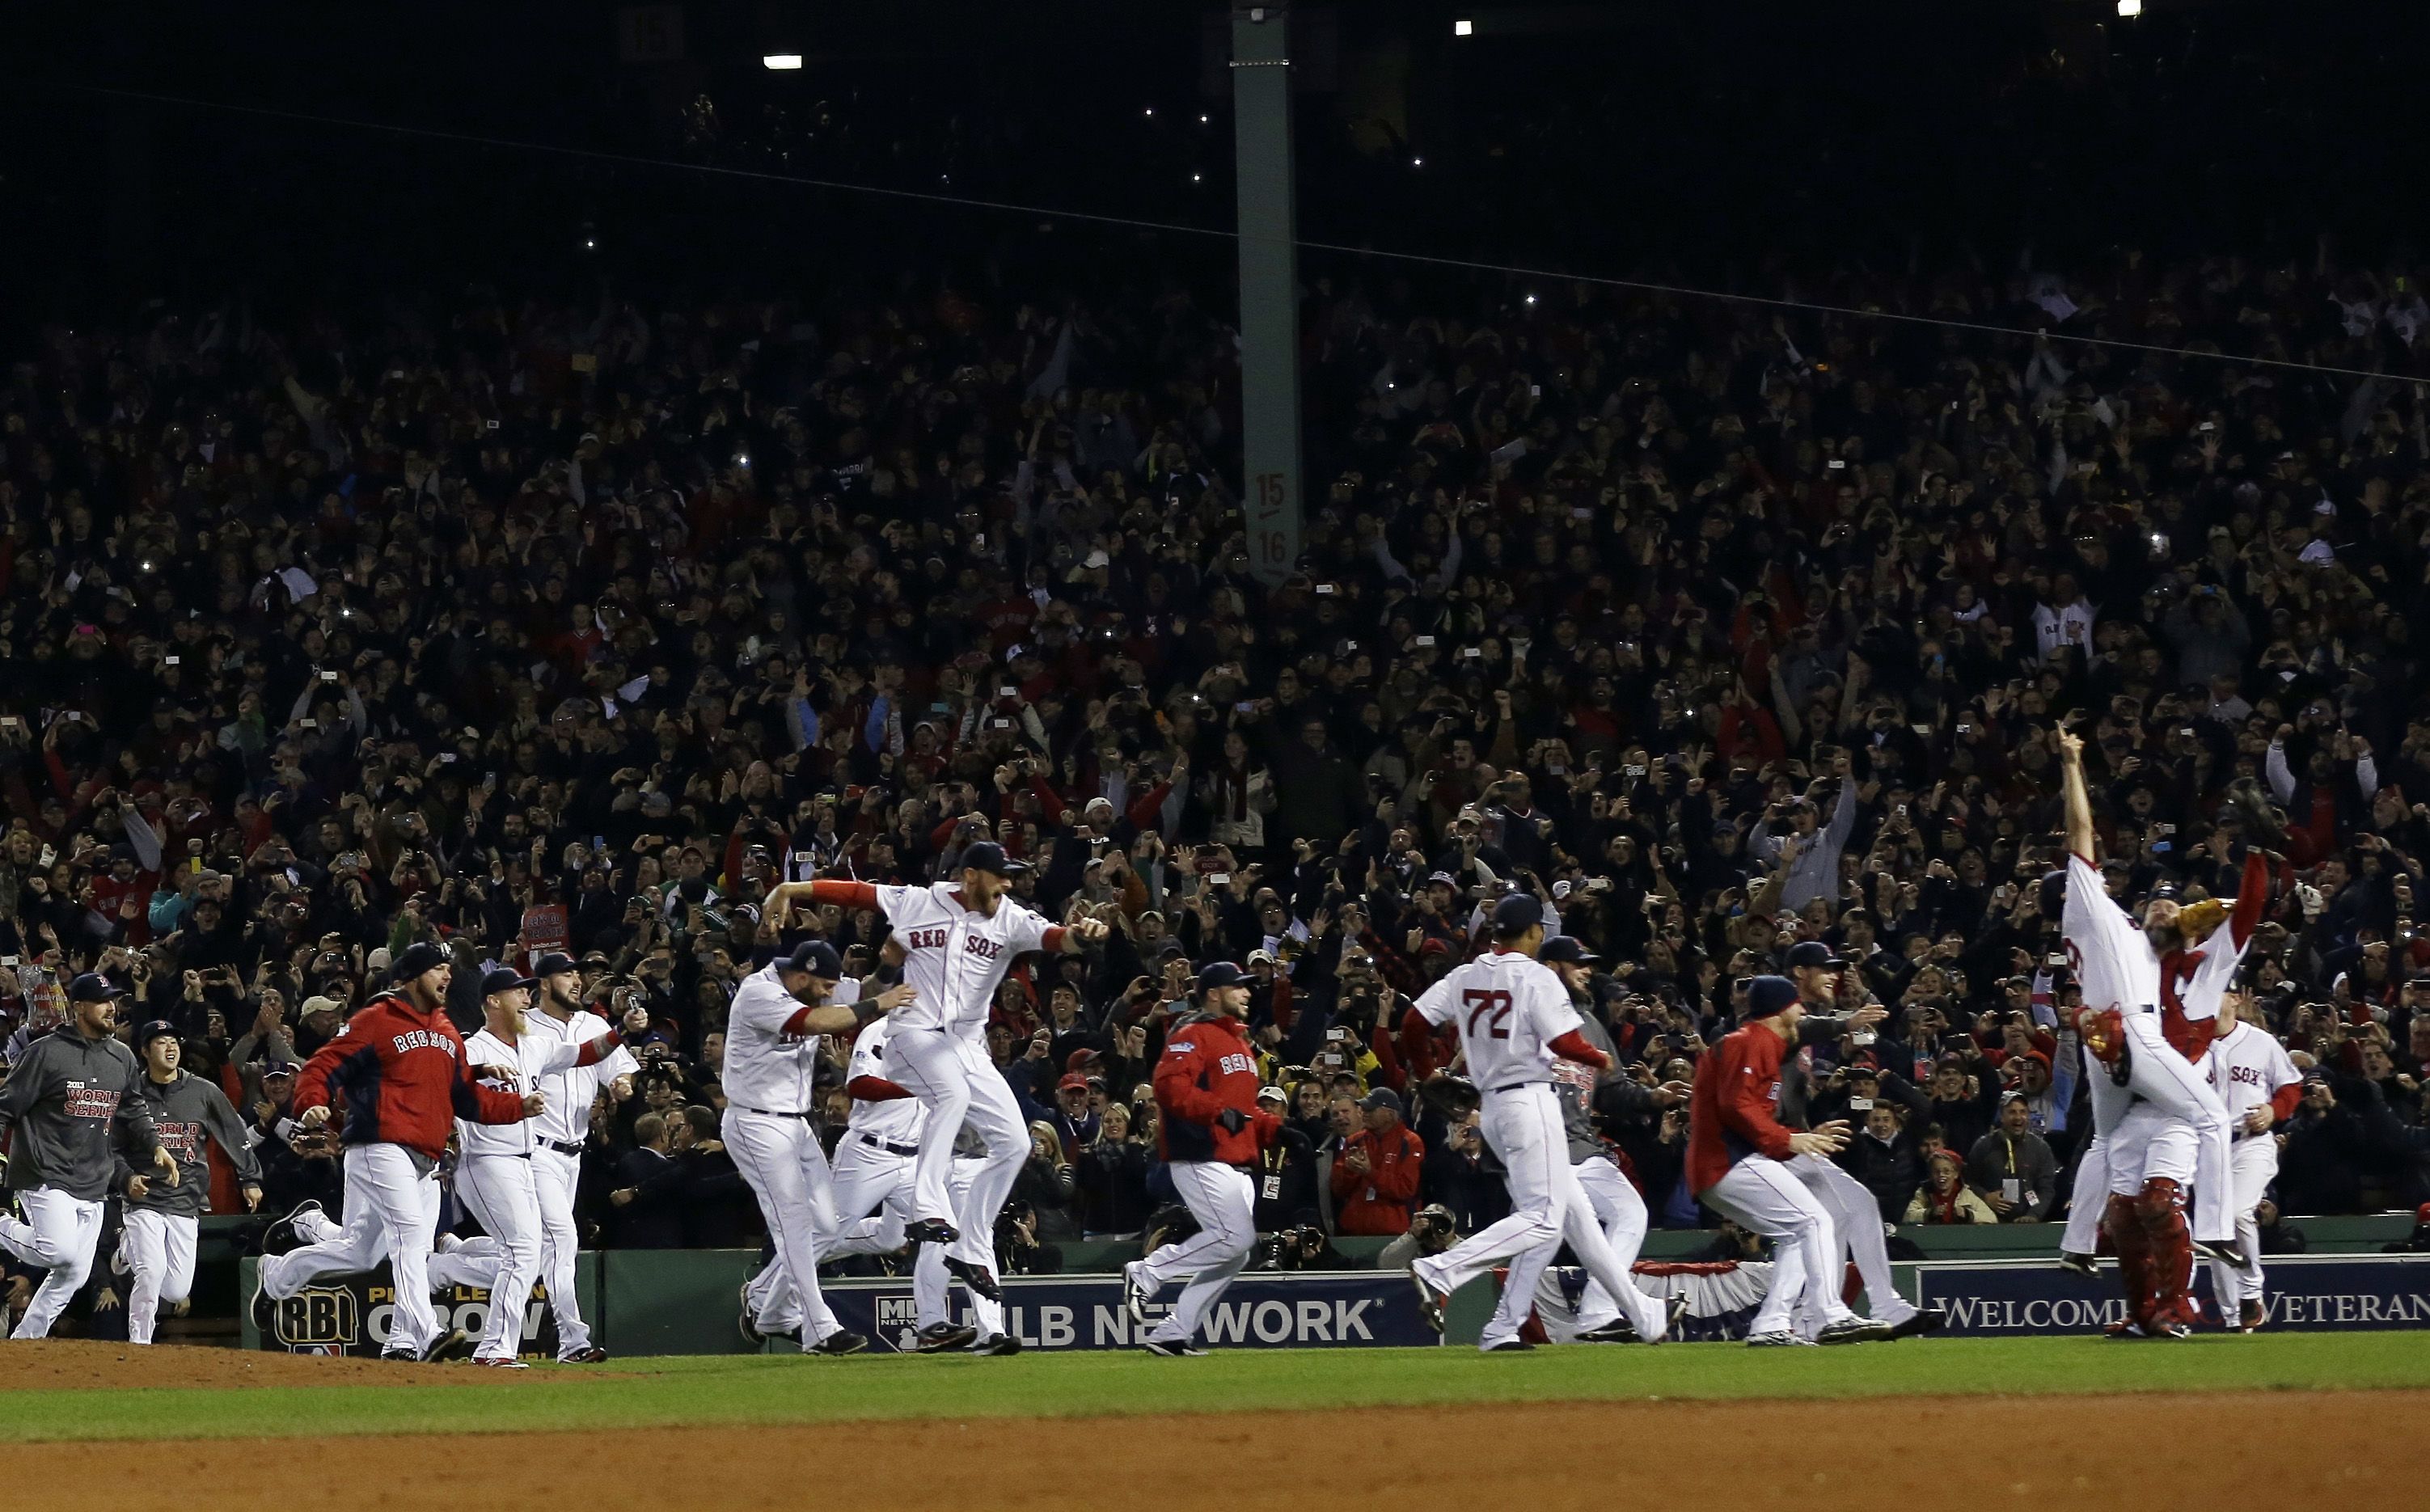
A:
[1294,1311]
[2343,1291]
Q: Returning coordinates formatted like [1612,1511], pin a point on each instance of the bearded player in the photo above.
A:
[2158,1128]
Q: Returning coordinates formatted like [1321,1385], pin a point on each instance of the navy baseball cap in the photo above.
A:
[93,987]
[1221,973]
[1813,952]
[1768,995]
[1567,948]
[157,1029]
[817,957]
[418,957]
[987,855]
[504,979]
[1517,914]
[553,963]
[1381,1097]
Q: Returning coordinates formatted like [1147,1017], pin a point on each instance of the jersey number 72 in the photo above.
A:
[1483,1002]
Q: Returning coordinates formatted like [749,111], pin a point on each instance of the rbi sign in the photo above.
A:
[316,1320]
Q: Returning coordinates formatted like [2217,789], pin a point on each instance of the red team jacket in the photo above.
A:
[1730,1117]
[398,1075]
[1207,1067]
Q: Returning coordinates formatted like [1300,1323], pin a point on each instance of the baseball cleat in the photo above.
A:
[400,1357]
[1674,1318]
[1508,1346]
[591,1354]
[843,1342]
[2251,1318]
[1618,1331]
[2172,1331]
[451,1344]
[2128,1330]
[500,1365]
[930,1231]
[2083,1265]
[749,1321]
[1930,1320]
[1430,1301]
[938,1338]
[1777,1338]
[1169,1348]
[1854,1330]
[280,1237]
[976,1277]
[1136,1293]
[1001,1344]
[263,1307]
[2224,1251]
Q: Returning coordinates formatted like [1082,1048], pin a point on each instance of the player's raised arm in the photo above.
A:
[2072,794]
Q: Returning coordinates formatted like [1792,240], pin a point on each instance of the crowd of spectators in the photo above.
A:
[516,625]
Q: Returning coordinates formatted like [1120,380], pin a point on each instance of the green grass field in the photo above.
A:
[791,1389]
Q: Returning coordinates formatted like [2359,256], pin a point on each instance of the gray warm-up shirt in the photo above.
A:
[183,1112]
[63,1102]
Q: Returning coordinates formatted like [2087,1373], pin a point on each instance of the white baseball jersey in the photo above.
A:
[1508,1008]
[2113,961]
[2249,1069]
[897,1121]
[571,1088]
[953,959]
[767,1070]
[2214,972]
[531,1058]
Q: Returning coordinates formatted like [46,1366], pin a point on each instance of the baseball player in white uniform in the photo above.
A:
[772,1036]
[2262,1087]
[2164,1130]
[493,1172]
[872,1181]
[472,1263]
[1515,1018]
[1599,1318]
[957,941]
[558,1134]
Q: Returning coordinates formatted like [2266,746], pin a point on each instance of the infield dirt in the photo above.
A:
[2132,1453]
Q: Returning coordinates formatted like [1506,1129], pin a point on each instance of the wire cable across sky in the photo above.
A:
[1179,228]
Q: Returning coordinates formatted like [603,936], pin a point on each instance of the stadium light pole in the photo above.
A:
[1269,288]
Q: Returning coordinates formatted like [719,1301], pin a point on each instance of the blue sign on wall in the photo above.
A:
[1991,1297]
[1296,1310]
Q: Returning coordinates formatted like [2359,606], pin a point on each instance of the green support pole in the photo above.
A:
[1269,288]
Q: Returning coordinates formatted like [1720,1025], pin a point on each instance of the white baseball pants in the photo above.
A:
[861,1178]
[2149,1145]
[555,1177]
[1524,1126]
[503,1195]
[472,1263]
[1223,1199]
[160,1251]
[873,1200]
[1620,1213]
[931,1282]
[2253,1165]
[951,1075]
[392,1213]
[1857,1224]
[2163,1078]
[2089,1199]
[1760,1195]
[57,1235]
[781,1162]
